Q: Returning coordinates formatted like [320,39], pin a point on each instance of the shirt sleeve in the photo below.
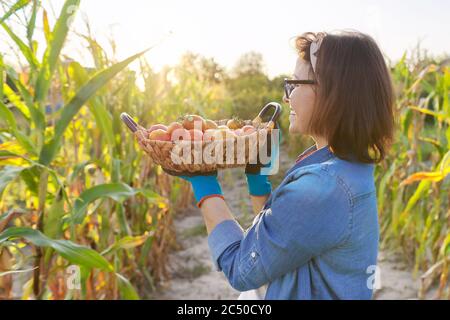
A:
[309,215]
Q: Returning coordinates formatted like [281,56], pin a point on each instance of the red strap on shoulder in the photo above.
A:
[304,156]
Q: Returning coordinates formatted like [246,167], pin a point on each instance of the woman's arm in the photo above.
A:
[258,202]
[259,188]
[215,210]
[307,217]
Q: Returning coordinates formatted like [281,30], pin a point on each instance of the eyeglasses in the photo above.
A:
[290,84]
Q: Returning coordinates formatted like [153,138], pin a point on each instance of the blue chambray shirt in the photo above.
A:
[316,237]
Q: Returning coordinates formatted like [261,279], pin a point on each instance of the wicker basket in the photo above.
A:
[235,152]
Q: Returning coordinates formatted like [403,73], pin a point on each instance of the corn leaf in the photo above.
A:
[127,242]
[420,176]
[32,22]
[9,154]
[16,101]
[116,191]
[9,216]
[7,175]
[7,116]
[47,31]
[435,176]
[127,291]
[51,55]
[53,223]
[2,71]
[14,8]
[84,94]
[445,163]
[36,114]
[445,248]
[25,141]
[24,49]
[2,274]
[73,252]
[438,115]
[102,117]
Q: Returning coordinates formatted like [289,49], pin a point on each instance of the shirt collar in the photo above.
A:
[318,156]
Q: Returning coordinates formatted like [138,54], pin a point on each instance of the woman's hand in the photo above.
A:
[259,188]
[259,185]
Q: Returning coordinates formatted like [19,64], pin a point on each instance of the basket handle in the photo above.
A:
[131,124]
[276,114]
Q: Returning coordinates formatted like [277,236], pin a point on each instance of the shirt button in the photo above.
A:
[253,254]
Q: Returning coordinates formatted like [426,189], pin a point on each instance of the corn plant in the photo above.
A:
[413,184]
[69,196]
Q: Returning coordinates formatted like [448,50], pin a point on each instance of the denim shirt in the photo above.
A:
[316,237]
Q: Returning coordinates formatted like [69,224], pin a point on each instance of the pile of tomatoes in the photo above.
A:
[196,128]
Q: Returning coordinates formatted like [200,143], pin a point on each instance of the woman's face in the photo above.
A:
[301,100]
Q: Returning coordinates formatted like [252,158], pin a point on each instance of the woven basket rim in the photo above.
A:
[155,149]
[139,135]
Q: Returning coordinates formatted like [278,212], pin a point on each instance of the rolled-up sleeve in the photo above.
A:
[308,215]
[224,235]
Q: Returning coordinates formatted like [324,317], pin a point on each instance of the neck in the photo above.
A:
[320,142]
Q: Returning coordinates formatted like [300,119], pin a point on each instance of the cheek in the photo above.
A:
[303,104]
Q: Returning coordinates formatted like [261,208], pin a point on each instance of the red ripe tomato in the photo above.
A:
[159,134]
[174,126]
[156,127]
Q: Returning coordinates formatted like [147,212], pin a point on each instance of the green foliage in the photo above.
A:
[42,153]
[413,182]
[89,196]
[73,252]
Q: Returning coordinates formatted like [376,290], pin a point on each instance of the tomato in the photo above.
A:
[159,134]
[174,126]
[156,127]
[194,122]
[235,123]
[210,125]
[248,129]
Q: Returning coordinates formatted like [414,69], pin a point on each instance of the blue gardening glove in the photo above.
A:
[259,184]
[204,187]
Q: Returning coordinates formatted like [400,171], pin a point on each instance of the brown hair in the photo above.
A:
[354,107]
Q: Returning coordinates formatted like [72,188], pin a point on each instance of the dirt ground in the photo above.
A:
[191,268]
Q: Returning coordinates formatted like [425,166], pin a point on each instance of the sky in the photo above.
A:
[225,30]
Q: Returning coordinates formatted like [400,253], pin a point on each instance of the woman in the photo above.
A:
[316,235]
